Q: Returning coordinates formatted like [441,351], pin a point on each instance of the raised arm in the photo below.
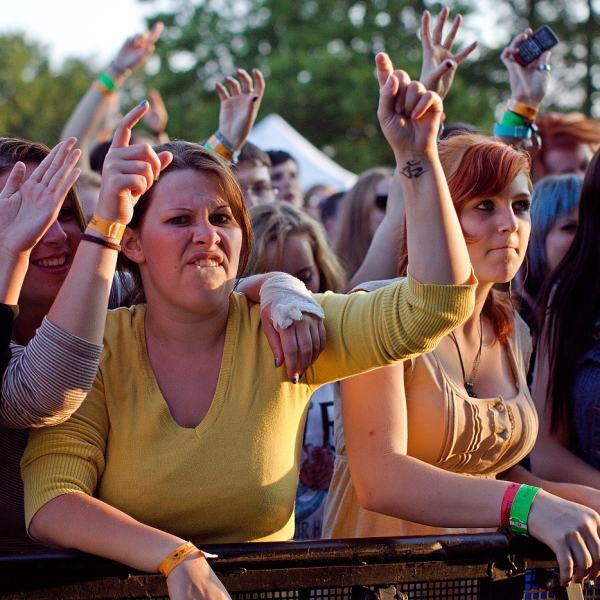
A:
[437,73]
[89,112]
[410,117]
[32,393]
[528,87]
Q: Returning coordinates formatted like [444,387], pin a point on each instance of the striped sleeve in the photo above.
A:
[47,380]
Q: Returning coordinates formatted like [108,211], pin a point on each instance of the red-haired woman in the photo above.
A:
[465,407]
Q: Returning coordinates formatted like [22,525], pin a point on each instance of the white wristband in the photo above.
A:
[288,298]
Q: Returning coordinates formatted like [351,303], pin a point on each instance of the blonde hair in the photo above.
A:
[354,233]
[274,223]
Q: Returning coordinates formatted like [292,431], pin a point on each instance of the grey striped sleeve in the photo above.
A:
[47,380]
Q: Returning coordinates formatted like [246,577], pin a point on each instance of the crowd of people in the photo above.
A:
[452,296]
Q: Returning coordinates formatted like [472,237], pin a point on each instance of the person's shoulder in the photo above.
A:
[122,324]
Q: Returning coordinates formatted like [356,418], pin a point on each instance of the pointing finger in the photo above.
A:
[123,132]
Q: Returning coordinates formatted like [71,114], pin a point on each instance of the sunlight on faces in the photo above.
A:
[188,245]
[559,238]
[497,231]
[297,259]
[255,181]
[52,256]
[285,177]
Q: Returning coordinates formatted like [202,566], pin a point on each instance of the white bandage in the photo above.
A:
[288,298]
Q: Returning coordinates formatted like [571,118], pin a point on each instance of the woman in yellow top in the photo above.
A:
[189,430]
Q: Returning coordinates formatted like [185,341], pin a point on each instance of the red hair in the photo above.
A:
[477,167]
[564,131]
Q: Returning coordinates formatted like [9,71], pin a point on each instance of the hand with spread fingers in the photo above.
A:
[129,171]
[27,209]
[409,114]
[527,84]
[439,64]
[240,101]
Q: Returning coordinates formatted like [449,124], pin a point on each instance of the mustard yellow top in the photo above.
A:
[233,478]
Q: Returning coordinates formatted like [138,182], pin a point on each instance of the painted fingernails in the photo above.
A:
[143,103]
[294,380]
[276,363]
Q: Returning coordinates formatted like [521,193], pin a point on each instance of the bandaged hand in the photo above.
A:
[293,323]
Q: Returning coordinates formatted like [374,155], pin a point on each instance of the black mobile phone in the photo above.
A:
[539,41]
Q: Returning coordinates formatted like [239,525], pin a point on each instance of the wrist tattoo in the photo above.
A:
[412,169]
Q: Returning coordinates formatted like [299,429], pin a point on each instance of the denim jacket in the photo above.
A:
[586,405]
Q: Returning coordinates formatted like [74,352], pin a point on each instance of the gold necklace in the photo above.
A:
[471,381]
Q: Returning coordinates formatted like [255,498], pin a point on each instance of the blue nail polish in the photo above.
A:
[294,380]
[301,376]
[144,103]
[157,177]
[276,363]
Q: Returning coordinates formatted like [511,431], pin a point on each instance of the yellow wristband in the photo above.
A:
[177,557]
[107,228]
[521,109]
[213,143]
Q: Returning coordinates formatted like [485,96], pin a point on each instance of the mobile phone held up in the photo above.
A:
[539,41]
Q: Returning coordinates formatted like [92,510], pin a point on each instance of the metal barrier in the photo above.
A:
[464,567]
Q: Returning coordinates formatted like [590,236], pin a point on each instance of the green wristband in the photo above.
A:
[512,119]
[519,513]
[107,82]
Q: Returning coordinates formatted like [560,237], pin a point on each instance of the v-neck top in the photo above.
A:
[446,428]
[232,478]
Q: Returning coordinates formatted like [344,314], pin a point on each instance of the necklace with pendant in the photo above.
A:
[471,381]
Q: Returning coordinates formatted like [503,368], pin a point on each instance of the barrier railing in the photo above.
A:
[465,567]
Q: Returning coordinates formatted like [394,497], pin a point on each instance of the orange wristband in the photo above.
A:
[107,228]
[213,143]
[177,557]
[527,112]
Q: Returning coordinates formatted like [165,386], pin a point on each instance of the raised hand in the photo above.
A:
[239,105]
[128,171]
[409,115]
[137,49]
[439,64]
[527,84]
[27,209]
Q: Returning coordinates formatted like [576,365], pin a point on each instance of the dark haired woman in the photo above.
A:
[566,385]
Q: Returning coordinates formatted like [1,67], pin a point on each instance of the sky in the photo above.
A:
[90,29]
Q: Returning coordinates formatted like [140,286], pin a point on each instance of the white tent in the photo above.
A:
[274,133]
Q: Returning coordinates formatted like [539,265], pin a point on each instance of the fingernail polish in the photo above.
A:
[144,103]
[301,376]
[294,380]
[449,63]
[276,363]
[157,177]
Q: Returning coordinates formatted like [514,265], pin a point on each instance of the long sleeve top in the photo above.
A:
[232,478]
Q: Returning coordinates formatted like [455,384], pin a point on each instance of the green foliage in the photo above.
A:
[35,103]
[318,59]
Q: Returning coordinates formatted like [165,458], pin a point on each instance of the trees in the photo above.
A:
[318,60]
[35,102]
